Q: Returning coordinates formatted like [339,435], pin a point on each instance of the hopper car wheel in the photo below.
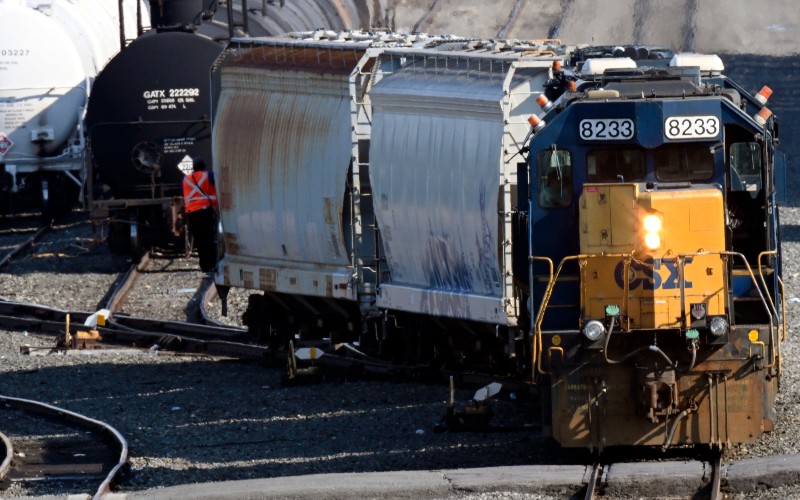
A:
[262,327]
[418,344]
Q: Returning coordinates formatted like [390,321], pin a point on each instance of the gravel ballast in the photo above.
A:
[193,419]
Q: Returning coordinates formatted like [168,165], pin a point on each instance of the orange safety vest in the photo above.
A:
[198,192]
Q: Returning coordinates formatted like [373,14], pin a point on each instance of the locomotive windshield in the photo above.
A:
[555,178]
[616,165]
[684,163]
[746,167]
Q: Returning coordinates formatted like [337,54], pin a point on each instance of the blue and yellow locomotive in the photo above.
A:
[654,268]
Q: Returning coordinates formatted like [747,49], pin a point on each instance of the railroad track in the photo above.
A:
[601,468]
[20,247]
[45,443]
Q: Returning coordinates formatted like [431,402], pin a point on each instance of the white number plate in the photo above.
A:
[606,129]
[691,127]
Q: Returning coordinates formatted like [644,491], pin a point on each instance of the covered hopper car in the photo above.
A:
[599,221]
[349,195]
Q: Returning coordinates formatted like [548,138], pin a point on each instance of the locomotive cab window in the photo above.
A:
[745,161]
[684,163]
[616,165]
[555,178]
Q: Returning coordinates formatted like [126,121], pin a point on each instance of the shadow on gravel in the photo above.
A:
[188,419]
[790,232]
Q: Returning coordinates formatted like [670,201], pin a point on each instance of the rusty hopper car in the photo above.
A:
[447,128]
[346,228]
[655,254]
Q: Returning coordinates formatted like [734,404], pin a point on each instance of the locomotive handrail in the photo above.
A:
[537,327]
[785,333]
[778,318]
[764,281]
[773,319]
[538,344]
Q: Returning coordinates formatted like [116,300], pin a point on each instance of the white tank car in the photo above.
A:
[368,178]
[50,52]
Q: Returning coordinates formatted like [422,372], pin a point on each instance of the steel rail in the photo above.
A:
[5,466]
[25,244]
[594,478]
[23,314]
[716,472]
[120,293]
[84,421]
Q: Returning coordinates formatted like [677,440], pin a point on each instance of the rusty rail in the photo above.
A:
[120,293]
[25,244]
[94,425]
[716,475]
[594,478]
[5,466]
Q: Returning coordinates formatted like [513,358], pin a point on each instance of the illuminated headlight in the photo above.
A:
[652,240]
[593,330]
[718,326]
[652,225]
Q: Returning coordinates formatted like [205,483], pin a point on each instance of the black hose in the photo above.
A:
[653,348]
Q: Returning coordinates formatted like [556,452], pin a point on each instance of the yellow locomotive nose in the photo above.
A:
[654,252]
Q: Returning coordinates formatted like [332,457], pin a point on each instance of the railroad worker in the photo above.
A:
[200,205]
[554,192]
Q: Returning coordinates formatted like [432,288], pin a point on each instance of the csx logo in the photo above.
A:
[648,274]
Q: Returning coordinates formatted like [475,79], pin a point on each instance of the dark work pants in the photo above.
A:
[203,228]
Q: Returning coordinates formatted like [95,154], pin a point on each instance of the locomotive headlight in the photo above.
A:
[652,241]
[652,224]
[593,330]
[718,326]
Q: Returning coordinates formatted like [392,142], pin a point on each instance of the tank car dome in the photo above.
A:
[150,109]
[43,85]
